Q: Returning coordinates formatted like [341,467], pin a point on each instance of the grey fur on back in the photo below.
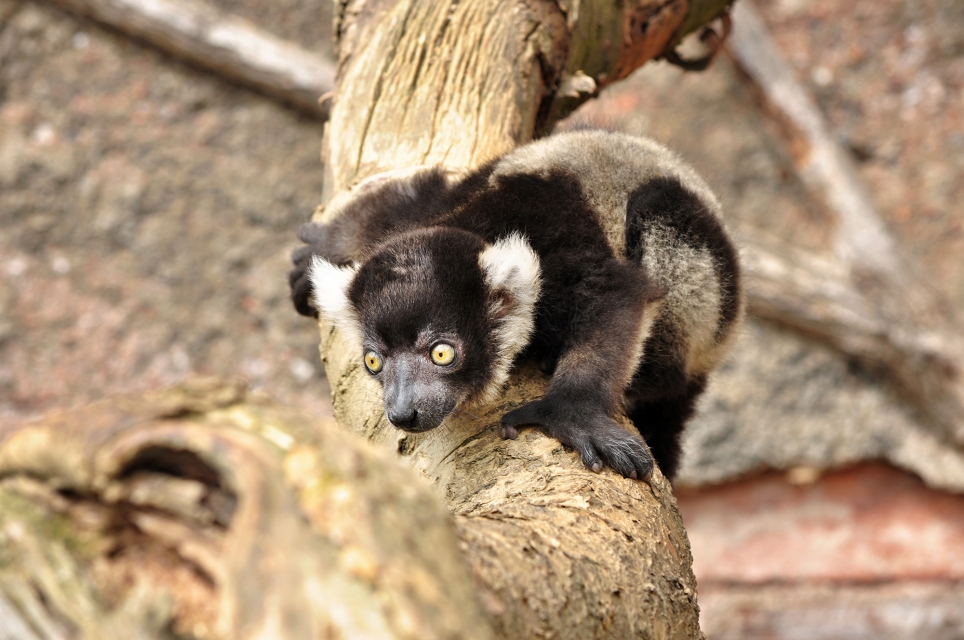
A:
[633,289]
[610,166]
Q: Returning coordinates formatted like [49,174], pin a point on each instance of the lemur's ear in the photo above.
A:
[329,294]
[512,276]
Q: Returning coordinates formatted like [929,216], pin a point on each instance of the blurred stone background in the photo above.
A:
[147,209]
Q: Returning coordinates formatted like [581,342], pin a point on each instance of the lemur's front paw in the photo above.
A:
[588,430]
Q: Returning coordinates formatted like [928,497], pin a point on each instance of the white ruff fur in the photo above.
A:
[329,286]
[510,265]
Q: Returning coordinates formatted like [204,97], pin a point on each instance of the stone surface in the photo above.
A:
[869,552]
[782,401]
[871,523]
[146,214]
[890,611]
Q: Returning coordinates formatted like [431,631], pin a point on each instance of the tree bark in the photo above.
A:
[204,512]
[556,550]
[457,83]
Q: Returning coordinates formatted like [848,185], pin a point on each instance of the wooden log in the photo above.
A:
[866,299]
[557,551]
[203,511]
[222,43]
[441,83]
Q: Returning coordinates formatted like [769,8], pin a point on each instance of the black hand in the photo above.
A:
[587,429]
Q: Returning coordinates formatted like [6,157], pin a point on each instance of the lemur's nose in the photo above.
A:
[402,417]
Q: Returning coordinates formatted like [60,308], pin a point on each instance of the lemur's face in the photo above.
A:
[421,381]
[437,317]
[425,331]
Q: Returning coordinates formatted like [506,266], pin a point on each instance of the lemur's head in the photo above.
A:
[437,315]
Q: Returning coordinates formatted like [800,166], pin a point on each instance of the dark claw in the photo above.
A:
[293,276]
[301,256]
[509,433]
[586,428]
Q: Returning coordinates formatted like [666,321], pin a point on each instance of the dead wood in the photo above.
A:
[459,83]
[866,299]
[202,511]
[221,43]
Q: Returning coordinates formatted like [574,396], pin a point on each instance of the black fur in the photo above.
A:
[661,420]
[418,243]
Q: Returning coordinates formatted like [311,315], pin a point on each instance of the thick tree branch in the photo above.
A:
[456,83]
[557,551]
[200,511]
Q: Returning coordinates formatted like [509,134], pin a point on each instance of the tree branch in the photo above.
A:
[457,83]
[221,43]
[866,299]
[557,550]
[202,511]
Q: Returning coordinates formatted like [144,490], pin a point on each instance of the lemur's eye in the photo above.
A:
[373,361]
[443,354]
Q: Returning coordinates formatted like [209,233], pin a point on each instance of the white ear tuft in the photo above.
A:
[329,293]
[512,275]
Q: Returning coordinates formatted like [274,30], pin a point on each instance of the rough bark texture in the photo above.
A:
[556,550]
[457,83]
[200,511]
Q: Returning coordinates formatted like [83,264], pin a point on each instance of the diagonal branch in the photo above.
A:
[221,43]
[867,300]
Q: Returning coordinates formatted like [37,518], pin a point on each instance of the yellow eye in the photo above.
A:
[373,361]
[443,354]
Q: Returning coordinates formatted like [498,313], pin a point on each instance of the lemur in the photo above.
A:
[602,255]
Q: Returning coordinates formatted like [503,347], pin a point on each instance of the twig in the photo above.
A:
[866,299]
[221,43]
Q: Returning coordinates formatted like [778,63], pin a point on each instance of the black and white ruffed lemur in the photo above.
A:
[600,254]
